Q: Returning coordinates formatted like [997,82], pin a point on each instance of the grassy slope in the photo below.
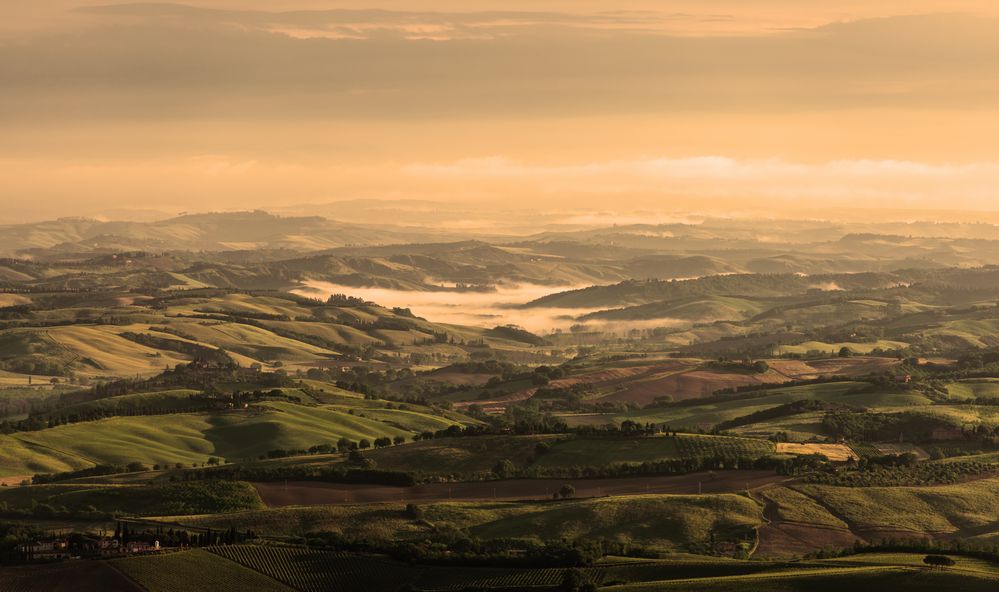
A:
[974,388]
[592,452]
[21,458]
[97,350]
[162,401]
[831,579]
[711,413]
[669,521]
[940,509]
[833,348]
[140,500]
[190,438]
[112,354]
[458,455]
[793,506]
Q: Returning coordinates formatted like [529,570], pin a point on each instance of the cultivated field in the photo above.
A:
[197,571]
[75,576]
[313,493]
[834,452]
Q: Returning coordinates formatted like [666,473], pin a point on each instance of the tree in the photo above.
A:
[364,443]
[504,468]
[414,511]
[938,561]
[575,580]
[845,352]
[566,491]
[356,459]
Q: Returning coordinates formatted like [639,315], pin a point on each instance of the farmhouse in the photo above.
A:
[47,550]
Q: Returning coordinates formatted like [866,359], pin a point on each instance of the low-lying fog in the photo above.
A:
[482,309]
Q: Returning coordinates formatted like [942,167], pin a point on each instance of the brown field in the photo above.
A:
[623,378]
[314,493]
[834,452]
[69,576]
[460,378]
[784,539]
[642,384]
[498,404]
[13,481]
[810,369]
[13,300]
[612,376]
[794,535]
[689,385]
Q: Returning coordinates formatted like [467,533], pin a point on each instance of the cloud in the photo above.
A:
[229,103]
[408,24]
[846,181]
[378,64]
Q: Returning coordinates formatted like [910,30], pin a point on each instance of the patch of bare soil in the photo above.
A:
[13,481]
[811,369]
[785,539]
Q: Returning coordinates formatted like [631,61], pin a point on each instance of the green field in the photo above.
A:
[964,564]
[967,511]
[832,579]
[971,333]
[197,497]
[970,508]
[464,457]
[834,348]
[987,388]
[152,402]
[581,451]
[804,426]
[460,455]
[668,522]
[195,437]
[794,506]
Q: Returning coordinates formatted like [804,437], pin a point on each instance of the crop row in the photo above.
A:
[722,447]
[314,571]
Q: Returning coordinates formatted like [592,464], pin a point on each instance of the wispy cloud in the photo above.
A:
[971,184]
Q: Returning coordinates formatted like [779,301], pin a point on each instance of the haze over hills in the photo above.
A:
[200,232]
[470,296]
[417,258]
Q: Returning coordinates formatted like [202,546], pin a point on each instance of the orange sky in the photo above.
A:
[708,105]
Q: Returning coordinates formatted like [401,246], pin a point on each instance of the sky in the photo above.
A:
[779,107]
